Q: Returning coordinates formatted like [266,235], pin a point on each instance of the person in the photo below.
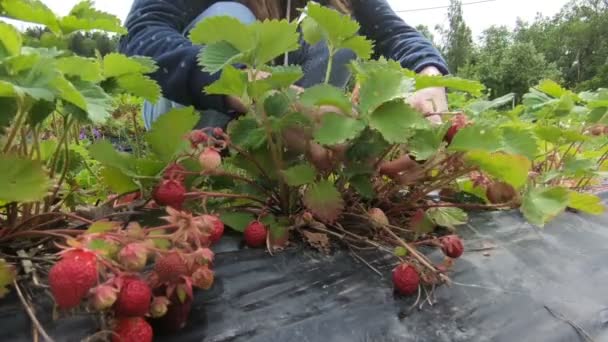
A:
[159,29]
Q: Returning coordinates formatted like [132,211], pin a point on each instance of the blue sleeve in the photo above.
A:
[155,30]
[394,38]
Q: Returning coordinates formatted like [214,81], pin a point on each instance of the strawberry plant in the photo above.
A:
[361,167]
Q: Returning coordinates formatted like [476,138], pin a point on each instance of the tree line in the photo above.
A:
[570,47]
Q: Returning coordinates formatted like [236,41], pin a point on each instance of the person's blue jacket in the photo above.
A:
[155,30]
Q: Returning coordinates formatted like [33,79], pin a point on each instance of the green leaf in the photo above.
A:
[83,17]
[541,205]
[277,104]
[598,115]
[551,88]
[22,180]
[400,251]
[7,276]
[98,103]
[274,38]
[337,129]
[283,76]
[223,29]
[512,169]
[33,11]
[340,30]
[88,69]
[424,144]
[476,137]
[166,138]
[101,227]
[381,84]
[426,81]
[579,167]
[40,111]
[556,135]
[587,203]
[232,81]
[397,121]
[363,185]
[10,40]
[299,175]
[105,153]
[324,201]
[117,180]
[295,119]
[214,57]
[246,133]
[115,65]
[141,86]
[325,94]
[481,106]
[447,217]
[237,220]
[163,244]
[105,248]
[521,141]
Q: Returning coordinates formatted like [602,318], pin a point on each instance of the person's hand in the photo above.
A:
[430,100]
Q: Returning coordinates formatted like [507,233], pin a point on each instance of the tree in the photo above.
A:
[458,39]
[426,31]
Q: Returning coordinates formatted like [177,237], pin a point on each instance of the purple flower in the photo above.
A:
[83,134]
[96,133]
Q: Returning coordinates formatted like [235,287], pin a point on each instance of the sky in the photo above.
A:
[478,16]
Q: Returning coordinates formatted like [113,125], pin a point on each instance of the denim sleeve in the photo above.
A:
[156,30]
[394,38]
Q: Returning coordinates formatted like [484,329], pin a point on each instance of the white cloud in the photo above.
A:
[478,16]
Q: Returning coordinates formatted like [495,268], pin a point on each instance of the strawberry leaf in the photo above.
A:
[88,69]
[232,82]
[454,83]
[447,217]
[216,56]
[400,251]
[381,83]
[117,181]
[324,201]
[397,121]
[33,11]
[10,40]
[512,169]
[587,203]
[101,227]
[274,38]
[166,138]
[336,129]
[223,29]
[237,220]
[299,175]
[7,276]
[521,141]
[22,180]
[246,133]
[325,94]
[115,65]
[476,138]
[541,205]
[83,17]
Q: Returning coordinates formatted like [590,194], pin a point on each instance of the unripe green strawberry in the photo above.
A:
[159,307]
[103,297]
[210,159]
[255,234]
[378,216]
[133,299]
[133,256]
[134,329]
[406,279]
[71,278]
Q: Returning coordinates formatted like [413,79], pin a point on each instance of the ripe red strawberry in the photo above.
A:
[170,193]
[171,267]
[458,122]
[134,329]
[452,246]
[218,229]
[210,159]
[255,234]
[499,192]
[197,137]
[406,279]
[133,299]
[72,277]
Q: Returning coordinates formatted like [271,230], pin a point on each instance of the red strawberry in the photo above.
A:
[406,279]
[170,193]
[255,234]
[175,172]
[197,137]
[458,122]
[218,229]
[171,267]
[175,318]
[452,246]
[210,159]
[72,277]
[133,299]
[499,192]
[134,329]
